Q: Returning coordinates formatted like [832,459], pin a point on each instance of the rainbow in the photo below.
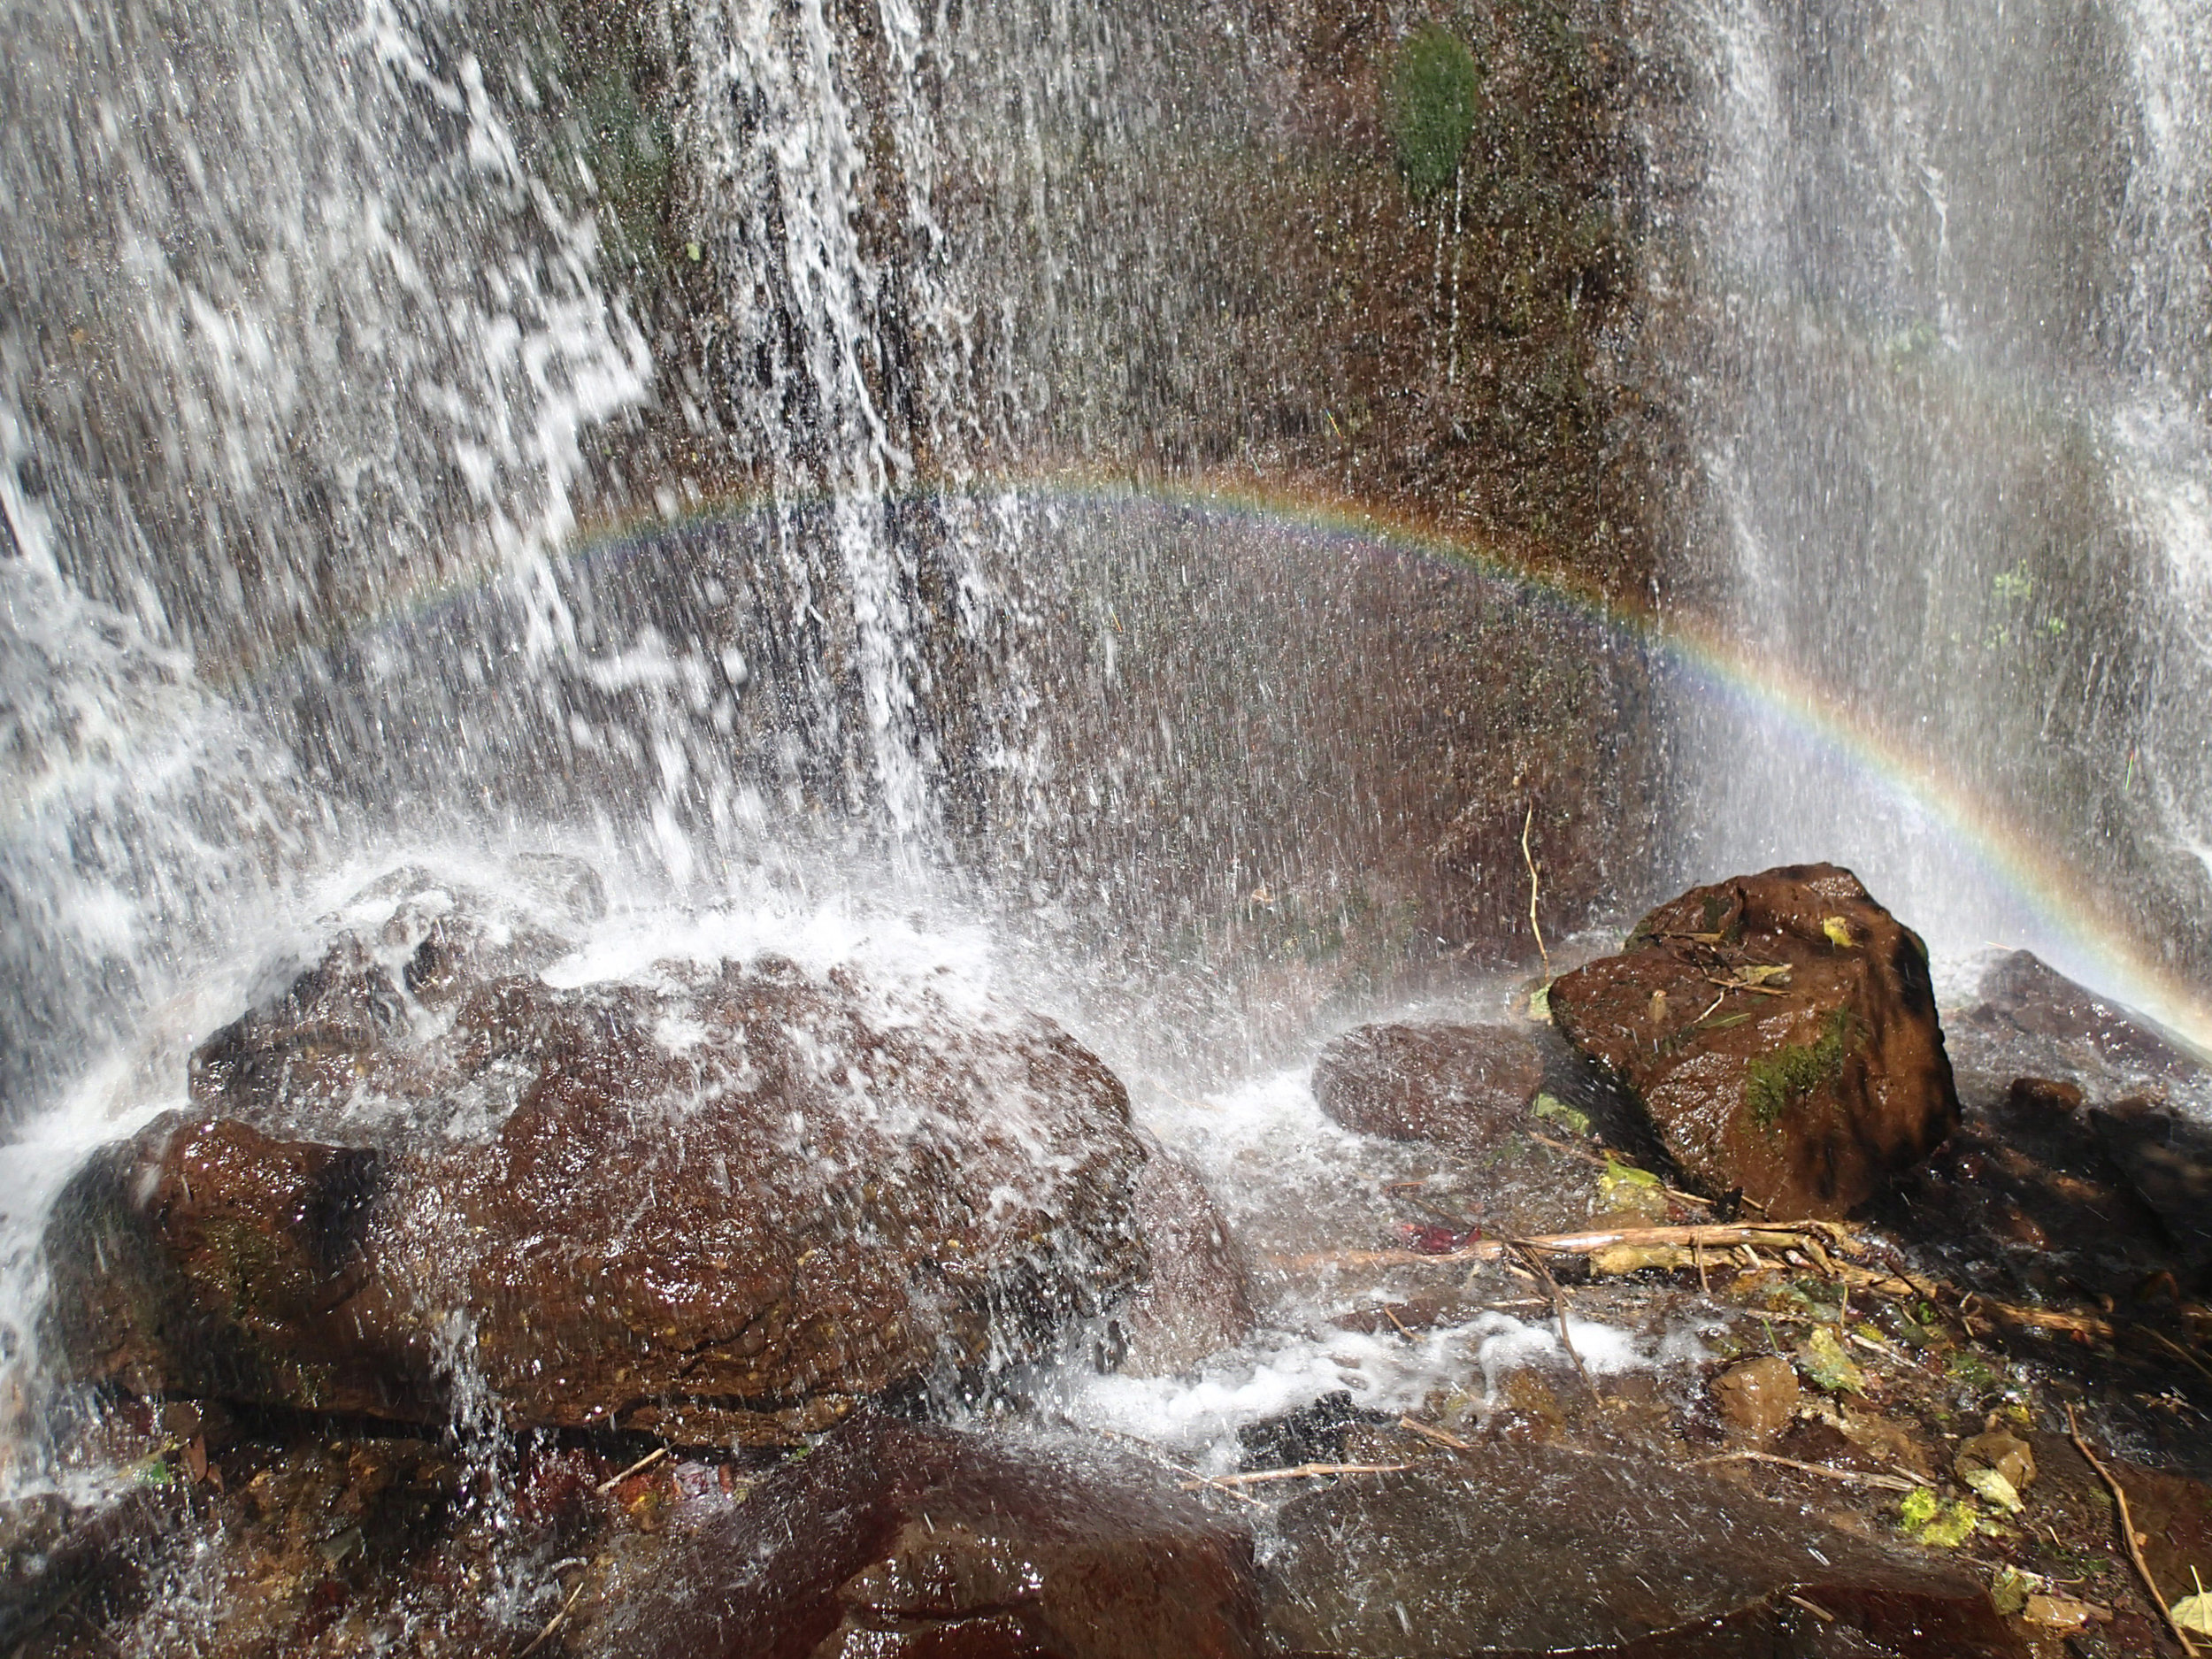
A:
[2037,883]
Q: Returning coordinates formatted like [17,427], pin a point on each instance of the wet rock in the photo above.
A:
[2167,1159]
[1520,1549]
[897,1540]
[1467,1086]
[1316,1432]
[2000,1453]
[53,1550]
[2044,1094]
[723,1205]
[308,1044]
[1198,1300]
[1758,1397]
[2036,1189]
[1780,1033]
[2022,996]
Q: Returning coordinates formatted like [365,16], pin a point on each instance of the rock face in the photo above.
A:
[894,1539]
[2021,995]
[1198,1300]
[1780,1033]
[713,1204]
[1530,1549]
[1464,1086]
[2167,1159]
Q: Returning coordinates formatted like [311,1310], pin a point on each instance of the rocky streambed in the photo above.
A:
[491,1294]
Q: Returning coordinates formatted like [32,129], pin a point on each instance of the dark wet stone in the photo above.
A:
[1780,1033]
[2020,1184]
[1198,1300]
[310,1042]
[1314,1433]
[2022,994]
[897,1540]
[1467,1086]
[2167,1159]
[1520,1549]
[53,1550]
[729,1205]
[2044,1094]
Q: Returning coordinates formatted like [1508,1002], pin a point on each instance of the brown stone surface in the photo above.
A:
[1467,1086]
[1525,1548]
[898,1540]
[2022,994]
[1757,1397]
[1780,1032]
[2167,1159]
[723,1203]
[1198,1300]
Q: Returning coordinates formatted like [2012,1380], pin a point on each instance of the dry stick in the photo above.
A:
[1888,1483]
[1559,1308]
[553,1625]
[644,1463]
[1818,1612]
[1730,1235]
[1439,1435]
[1401,1324]
[1697,1254]
[1304,1472]
[2165,1342]
[2127,1532]
[1529,860]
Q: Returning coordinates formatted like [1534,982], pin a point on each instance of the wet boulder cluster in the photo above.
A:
[482,1303]
[726,1203]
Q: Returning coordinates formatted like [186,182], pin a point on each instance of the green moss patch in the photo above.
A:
[1775,1083]
[1433,90]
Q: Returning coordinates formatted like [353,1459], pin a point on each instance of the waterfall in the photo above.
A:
[1947,276]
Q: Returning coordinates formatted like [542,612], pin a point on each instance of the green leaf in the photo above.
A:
[1551,1107]
[1832,1370]
[2008,1591]
[1994,1488]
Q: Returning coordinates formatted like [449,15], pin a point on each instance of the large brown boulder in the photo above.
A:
[895,1538]
[1466,1086]
[1780,1032]
[713,1205]
[1512,1550]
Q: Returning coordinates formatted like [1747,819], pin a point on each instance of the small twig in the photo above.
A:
[1697,1254]
[1727,986]
[555,1623]
[1529,860]
[2167,1342]
[1888,1483]
[1559,1308]
[1390,1314]
[1817,1611]
[2127,1531]
[1304,1472]
[644,1463]
[1439,1435]
[1721,1235]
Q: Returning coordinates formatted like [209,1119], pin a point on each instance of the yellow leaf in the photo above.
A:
[1993,1487]
[1838,932]
[2194,1614]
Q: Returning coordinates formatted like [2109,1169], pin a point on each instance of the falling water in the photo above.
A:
[1950,266]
